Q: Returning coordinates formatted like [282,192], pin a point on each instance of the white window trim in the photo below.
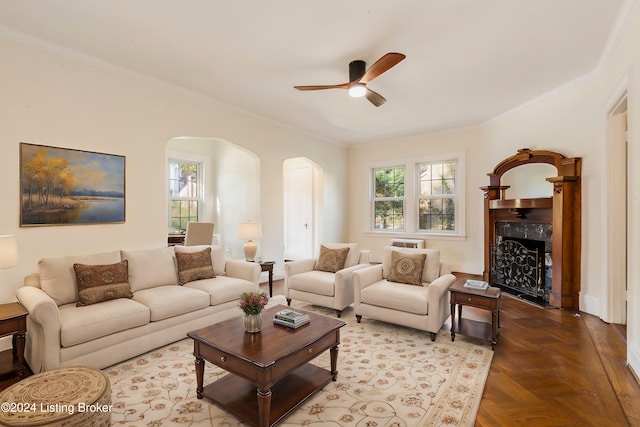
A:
[411,197]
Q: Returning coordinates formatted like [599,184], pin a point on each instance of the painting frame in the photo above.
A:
[66,186]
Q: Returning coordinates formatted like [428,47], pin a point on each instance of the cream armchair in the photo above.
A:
[328,280]
[379,291]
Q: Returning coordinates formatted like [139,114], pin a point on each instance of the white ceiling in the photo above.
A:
[467,60]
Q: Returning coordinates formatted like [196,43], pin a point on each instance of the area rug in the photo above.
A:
[388,376]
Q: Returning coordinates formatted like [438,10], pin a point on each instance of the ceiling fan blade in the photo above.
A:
[320,87]
[381,65]
[375,98]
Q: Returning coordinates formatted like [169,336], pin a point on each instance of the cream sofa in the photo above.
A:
[424,306]
[59,333]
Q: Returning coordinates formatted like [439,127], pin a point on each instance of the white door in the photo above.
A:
[298,209]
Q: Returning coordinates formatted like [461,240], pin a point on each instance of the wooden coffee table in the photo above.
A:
[273,362]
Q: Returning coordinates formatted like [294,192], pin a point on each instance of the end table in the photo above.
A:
[268,266]
[487,299]
[13,321]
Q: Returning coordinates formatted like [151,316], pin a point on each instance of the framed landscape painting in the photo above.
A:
[62,186]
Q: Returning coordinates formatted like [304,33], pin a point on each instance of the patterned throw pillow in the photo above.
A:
[406,268]
[194,266]
[331,260]
[98,283]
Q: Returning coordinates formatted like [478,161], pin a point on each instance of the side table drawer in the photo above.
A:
[12,326]
[474,301]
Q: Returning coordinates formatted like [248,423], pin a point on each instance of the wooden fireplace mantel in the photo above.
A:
[562,211]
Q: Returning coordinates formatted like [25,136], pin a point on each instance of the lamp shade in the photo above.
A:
[249,231]
[8,251]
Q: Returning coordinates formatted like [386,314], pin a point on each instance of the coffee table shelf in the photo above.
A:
[238,396]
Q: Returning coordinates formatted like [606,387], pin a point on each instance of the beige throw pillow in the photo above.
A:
[406,268]
[194,266]
[98,283]
[331,260]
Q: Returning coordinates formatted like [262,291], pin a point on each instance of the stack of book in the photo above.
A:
[291,318]
[476,284]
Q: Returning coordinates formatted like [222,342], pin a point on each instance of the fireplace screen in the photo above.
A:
[517,264]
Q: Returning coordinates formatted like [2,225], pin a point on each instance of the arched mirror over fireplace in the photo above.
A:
[532,240]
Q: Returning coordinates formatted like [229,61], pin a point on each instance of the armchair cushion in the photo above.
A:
[331,260]
[194,266]
[397,296]
[315,282]
[431,269]
[407,268]
[353,257]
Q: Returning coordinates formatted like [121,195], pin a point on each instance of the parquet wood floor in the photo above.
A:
[550,368]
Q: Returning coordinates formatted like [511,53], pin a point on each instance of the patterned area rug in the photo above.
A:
[387,376]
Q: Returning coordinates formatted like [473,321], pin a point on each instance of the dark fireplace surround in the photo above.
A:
[532,246]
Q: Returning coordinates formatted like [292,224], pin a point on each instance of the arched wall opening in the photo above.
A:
[230,186]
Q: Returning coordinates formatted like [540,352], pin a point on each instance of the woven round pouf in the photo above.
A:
[74,396]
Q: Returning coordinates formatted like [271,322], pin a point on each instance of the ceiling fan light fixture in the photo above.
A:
[357,90]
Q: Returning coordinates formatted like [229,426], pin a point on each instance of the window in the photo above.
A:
[388,198]
[437,196]
[419,196]
[184,192]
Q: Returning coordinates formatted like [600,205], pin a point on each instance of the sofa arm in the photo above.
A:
[243,270]
[344,284]
[440,286]
[296,267]
[43,342]
[366,276]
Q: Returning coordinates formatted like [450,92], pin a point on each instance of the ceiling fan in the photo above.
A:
[359,76]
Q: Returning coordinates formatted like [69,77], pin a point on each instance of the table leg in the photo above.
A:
[271,281]
[18,347]
[453,322]
[199,376]
[264,406]
[494,328]
[333,354]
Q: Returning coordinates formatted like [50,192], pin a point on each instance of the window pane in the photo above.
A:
[389,215]
[389,182]
[437,178]
[437,214]
[183,179]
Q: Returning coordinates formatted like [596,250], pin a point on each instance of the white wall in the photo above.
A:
[570,120]
[51,98]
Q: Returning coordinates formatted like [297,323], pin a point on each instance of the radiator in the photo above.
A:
[408,243]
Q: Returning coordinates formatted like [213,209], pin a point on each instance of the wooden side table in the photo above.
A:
[268,266]
[487,299]
[13,321]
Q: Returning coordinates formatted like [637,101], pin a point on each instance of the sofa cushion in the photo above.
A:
[407,268]
[431,266]
[58,279]
[223,289]
[169,301]
[353,257]
[82,324]
[194,266]
[217,256]
[98,283]
[331,260]
[316,282]
[397,296]
[150,268]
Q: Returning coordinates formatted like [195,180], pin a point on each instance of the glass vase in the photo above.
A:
[252,322]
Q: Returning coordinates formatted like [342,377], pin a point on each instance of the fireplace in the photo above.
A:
[532,245]
[518,267]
